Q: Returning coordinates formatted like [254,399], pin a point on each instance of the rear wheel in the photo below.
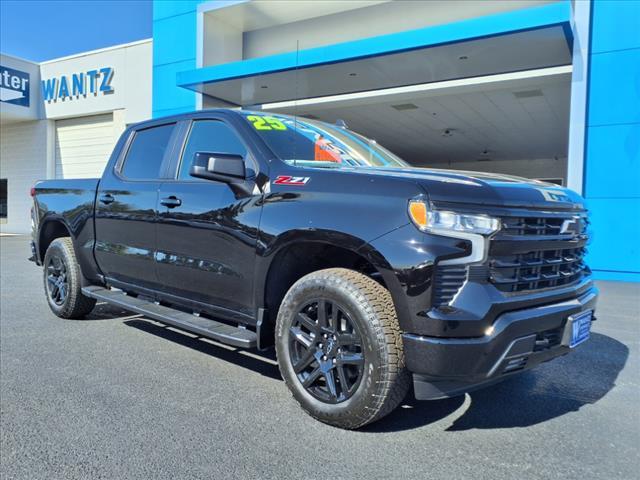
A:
[62,281]
[339,348]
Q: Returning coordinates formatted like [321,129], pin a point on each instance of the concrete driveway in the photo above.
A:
[118,396]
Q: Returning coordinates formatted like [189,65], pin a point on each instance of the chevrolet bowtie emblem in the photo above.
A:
[570,225]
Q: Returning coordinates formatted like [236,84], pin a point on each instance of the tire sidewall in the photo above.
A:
[59,249]
[354,304]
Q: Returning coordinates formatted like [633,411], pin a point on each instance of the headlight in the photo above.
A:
[445,222]
[474,228]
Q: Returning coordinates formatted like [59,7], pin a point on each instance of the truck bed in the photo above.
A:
[75,186]
[70,203]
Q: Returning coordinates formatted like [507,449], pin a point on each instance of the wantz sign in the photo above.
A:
[78,85]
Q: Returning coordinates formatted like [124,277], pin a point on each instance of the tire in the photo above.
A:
[367,348]
[62,281]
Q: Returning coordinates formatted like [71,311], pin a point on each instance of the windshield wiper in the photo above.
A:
[314,163]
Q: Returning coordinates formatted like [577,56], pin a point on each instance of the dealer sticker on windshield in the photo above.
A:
[260,122]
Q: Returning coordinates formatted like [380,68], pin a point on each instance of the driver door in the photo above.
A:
[207,235]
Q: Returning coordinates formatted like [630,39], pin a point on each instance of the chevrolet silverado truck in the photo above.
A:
[367,275]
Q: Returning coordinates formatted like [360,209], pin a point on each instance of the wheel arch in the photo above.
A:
[50,230]
[297,254]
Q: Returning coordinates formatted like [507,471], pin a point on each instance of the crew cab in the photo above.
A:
[367,275]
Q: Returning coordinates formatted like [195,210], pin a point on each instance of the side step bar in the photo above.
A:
[236,336]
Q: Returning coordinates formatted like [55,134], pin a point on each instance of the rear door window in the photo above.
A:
[146,153]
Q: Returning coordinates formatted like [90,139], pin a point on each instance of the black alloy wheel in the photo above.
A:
[339,348]
[57,282]
[63,281]
[326,351]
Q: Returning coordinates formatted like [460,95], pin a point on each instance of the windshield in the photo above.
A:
[311,143]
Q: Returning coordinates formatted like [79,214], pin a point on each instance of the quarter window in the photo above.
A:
[212,136]
[145,155]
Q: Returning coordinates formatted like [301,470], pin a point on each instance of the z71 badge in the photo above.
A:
[289,180]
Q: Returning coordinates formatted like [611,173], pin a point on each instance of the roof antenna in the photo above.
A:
[295,108]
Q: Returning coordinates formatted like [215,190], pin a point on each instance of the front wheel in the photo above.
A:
[62,282]
[339,348]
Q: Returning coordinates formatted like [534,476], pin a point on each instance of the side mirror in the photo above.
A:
[224,167]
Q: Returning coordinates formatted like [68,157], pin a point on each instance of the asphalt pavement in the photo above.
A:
[118,396]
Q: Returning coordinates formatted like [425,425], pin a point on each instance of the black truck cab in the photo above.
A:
[368,275]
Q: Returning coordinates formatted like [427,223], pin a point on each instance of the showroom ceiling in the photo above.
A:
[509,120]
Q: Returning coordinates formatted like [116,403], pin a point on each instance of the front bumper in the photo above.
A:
[517,341]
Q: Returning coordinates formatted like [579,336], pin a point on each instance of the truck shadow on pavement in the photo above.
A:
[263,363]
[104,311]
[551,390]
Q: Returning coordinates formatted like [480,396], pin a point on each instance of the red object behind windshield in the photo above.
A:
[324,151]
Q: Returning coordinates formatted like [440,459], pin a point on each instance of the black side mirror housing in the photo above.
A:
[224,167]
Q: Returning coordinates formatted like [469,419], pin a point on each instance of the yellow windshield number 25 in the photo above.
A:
[266,123]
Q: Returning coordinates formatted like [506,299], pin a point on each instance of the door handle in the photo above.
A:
[171,202]
[107,198]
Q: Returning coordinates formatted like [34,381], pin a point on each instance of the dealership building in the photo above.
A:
[541,89]
[61,118]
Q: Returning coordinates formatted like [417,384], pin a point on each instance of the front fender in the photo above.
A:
[406,257]
[269,247]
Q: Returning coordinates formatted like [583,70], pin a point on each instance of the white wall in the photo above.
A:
[371,21]
[222,42]
[23,161]
[138,82]
[579,88]
[534,168]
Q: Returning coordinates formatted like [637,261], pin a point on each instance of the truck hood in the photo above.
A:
[477,188]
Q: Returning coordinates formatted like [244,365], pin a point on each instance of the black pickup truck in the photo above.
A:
[366,274]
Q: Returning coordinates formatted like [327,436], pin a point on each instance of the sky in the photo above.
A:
[42,30]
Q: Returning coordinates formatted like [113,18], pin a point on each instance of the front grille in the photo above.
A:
[532,226]
[536,269]
[530,252]
[556,228]
[557,260]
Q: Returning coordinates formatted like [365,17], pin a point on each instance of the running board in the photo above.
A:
[236,336]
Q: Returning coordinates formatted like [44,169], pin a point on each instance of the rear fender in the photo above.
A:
[54,226]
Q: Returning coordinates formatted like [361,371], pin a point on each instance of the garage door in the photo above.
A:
[83,145]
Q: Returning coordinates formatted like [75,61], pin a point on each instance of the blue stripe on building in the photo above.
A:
[612,156]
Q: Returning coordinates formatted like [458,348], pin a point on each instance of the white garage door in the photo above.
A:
[83,145]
